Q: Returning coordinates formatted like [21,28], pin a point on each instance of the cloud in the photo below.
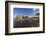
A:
[35,11]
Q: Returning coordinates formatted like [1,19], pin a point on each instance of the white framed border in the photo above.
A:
[16,30]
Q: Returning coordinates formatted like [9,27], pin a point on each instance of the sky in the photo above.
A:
[25,11]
